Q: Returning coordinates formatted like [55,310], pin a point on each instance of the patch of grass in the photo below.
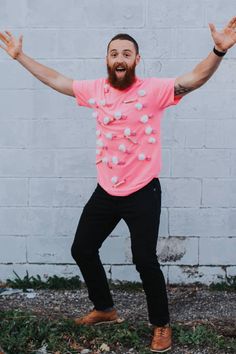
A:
[202,335]
[126,286]
[228,285]
[23,332]
[55,282]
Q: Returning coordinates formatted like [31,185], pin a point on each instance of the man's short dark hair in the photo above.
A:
[125,36]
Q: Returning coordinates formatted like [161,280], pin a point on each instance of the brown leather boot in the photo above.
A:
[96,317]
[161,341]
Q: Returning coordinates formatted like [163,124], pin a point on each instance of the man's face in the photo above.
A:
[121,62]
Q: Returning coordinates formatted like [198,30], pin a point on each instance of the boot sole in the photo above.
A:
[118,320]
[161,351]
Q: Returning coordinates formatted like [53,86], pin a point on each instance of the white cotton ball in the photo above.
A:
[139,106]
[141,157]
[98,133]
[152,140]
[99,143]
[127,132]
[108,135]
[148,130]
[114,179]
[114,160]
[117,115]
[106,120]
[144,119]
[91,101]
[122,147]
[141,93]
[102,102]
[98,152]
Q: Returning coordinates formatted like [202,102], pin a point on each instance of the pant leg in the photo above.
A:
[98,219]
[142,215]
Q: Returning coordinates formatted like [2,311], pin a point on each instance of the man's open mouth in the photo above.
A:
[120,69]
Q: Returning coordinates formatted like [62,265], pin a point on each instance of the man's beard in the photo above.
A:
[121,83]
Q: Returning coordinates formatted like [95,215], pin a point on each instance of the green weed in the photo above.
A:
[55,282]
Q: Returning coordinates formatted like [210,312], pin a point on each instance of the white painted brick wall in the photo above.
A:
[47,169]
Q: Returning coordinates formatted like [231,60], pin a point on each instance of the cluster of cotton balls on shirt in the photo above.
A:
[127,133]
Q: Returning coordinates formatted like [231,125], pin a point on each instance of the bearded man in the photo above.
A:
[128,111]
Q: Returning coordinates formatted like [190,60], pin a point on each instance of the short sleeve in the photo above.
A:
[164,92]
[84,91]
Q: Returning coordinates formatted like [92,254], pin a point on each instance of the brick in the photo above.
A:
[116,250]
[220,134]
[163,14]
[13,13]
[62,134]
[188,133]
[14,221]
[125,273]
[53,222]
[60,192]
[218,12]
[101,13]
[13,76]
[49,250]
[195,274]
[14,134]
[178,250]
[219,193]
[22,108]
[164,223]
[205,222]
[44,270]
[129,273]
[189,49]
[166,163]
[220,251]
[75,163]
[49,104]
[27,163]
[231,271]
[64,13]
[181,192]
[13,192]
[233,163]
[168,67]
[205,103]
[121,229]
[12,249]
[200,163]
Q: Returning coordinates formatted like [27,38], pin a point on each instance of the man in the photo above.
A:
[127,111]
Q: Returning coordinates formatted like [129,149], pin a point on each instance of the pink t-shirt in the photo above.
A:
[128,154]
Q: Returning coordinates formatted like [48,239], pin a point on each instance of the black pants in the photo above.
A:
[141,212]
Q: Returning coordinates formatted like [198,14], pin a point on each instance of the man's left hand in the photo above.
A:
[226,38]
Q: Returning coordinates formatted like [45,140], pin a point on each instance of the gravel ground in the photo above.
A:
[188,306]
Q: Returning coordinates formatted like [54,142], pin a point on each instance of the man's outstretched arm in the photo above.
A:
[205,69]
[48,76]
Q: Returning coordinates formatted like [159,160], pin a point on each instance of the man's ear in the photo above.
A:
[138,58]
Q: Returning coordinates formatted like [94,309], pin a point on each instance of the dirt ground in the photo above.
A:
[188,305]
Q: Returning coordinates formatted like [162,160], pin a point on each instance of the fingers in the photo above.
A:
[232,23]
[1,46]
[3,38]
[212,28]
[21,39]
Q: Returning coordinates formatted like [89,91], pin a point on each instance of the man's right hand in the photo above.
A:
[11,44]
[48,76]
